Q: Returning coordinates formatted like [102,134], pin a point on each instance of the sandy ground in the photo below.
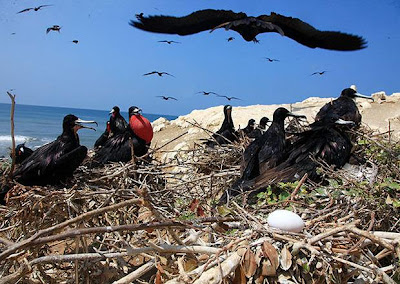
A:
[375,114]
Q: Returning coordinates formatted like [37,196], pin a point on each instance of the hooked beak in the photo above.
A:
[136,110]
[297,115]
[79,122]
[344,122]
[112,111]
[358,95]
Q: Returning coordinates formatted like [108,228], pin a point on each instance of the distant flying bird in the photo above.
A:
[319,73]
[75,41]
[206,93]
[34,9]
[229,98]
[271,59]
[250,27]
[167,98]
[169,41]
[230,38]
[159,73]
[55,28]
[12,33]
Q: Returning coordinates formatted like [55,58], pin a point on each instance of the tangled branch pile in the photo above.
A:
[155,222]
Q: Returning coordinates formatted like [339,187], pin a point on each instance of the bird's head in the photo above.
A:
[264,121]
[351,93]
[281,113]
[134,110]
[114,111]
[72,122]
[251,123]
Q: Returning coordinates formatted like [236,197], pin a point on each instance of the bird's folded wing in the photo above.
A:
[193,23]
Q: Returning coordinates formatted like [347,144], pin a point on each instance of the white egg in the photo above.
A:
[286,221]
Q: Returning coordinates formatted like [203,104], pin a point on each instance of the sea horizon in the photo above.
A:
[37,125]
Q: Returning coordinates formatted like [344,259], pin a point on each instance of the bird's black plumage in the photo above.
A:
[57,160]
[167,98]
[103,137]
[226,134]
[249,129]
[55,28]
[325,140]
[250,27]
[118,123]
[21,153]
[118,147]
[344,107]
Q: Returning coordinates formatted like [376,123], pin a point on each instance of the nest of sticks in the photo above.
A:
[156,222]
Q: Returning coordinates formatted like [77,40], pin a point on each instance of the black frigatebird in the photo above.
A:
[250,27]
[271,59]
[249,129]
[344,107]
[167,98]
[206,93]
[34,9]
[228,98]
[319,73]
[158,73]
[55,161]
[55,28]
[226,134]
[230,38]
[169,41]
[21,153]
[118,123]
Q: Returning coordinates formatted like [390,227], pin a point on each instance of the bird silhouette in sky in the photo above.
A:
[158,73]
[34,9]
[55,28]
[249,27]
[206,93]
[230,38]
[75,41]
[271,59]
[319,73]
[169,41]
[229,98]
[167,98]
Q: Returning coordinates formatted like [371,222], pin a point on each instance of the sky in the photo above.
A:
[106,67]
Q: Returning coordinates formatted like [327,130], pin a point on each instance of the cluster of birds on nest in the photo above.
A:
[268,157]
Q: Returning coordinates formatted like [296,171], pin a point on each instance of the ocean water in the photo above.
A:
[38,125]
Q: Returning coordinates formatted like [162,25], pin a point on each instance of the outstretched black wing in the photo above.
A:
[309,36]
[194,23]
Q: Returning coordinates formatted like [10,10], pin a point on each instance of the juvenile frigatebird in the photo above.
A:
[250,27]
[118,123]
[21,153]
[263,153]
[226,134]
[55,161]
[344,107]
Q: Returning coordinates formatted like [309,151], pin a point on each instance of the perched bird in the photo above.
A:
[34,9]
[55,28]
[271,59]
[104,136]
[344,107]
[250,27]
[230,38]
[229,98]
[226,134]
[158,73]
[206,93]
[261,128]
[319,73]
[325,141]
[55,161]
[249,129]
[21,153]
[137,137]
[118,123]
[169,41]
[75,41]
[167,98]
[264,152]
